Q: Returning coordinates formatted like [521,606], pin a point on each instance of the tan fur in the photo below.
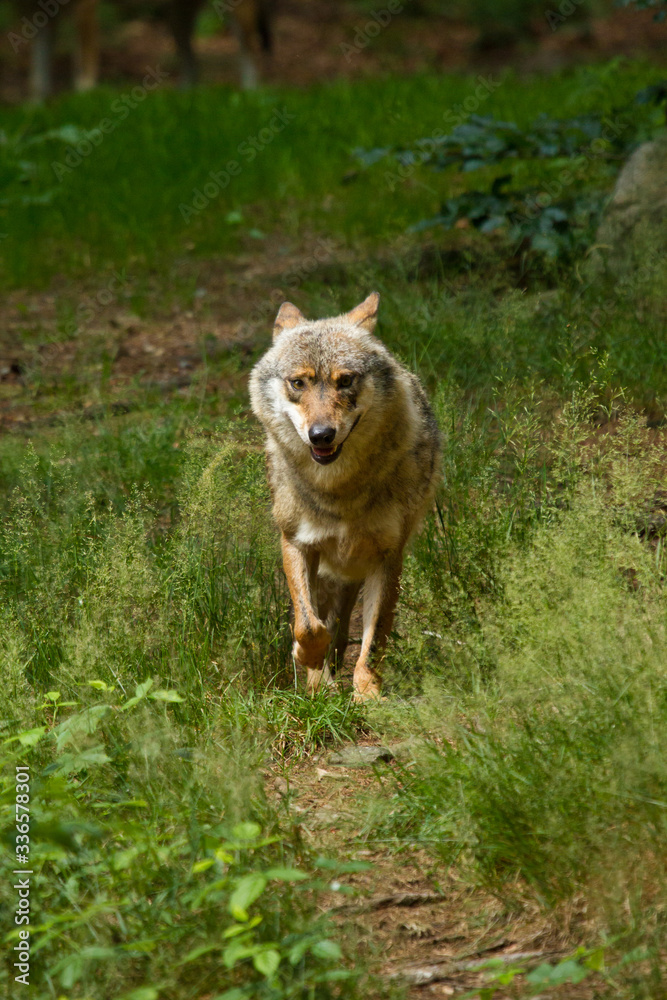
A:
[346,517]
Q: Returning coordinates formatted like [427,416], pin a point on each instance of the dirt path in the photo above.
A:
[414,922]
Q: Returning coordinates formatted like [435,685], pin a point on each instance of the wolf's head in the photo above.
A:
[314,388]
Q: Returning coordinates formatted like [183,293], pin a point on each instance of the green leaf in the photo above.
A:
[120,860]
[247,890]
[328,950]
[130,703]
[298,950]
[141,690]
[202,866]
[31,736]
[636,955]
[52,695]
[286,874]
[72,970]
[237,929]
[99,685]
[144,945]
[71,763]
[567,971]
[71,967]
[334,975]
[125,804]
[505,978]
[142,993]
[198,952]
[236,951]
[247,831]
[163,695]
[266,962]
[80,725]
[595,960]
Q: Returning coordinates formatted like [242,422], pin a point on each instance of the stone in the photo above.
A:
[357,756]
[635,220]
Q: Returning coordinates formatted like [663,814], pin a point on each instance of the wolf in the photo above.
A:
[353,453]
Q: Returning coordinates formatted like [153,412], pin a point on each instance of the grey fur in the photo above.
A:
[354,516]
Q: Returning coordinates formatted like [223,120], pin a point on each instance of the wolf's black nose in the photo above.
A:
[321,434]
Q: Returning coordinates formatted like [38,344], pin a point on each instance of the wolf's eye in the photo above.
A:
[296,383]
[345,381]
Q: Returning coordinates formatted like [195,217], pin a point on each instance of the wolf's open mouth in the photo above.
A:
[323,456]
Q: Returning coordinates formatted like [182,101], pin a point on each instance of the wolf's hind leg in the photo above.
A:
[380,596]
[311,637]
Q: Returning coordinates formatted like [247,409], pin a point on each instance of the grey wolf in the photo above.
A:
[251,21]
[353,460]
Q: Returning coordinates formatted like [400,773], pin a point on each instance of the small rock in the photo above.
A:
[360,756]
[633,230]
[321,773]
[281,786]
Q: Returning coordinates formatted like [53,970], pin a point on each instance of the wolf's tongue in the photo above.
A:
[323,452]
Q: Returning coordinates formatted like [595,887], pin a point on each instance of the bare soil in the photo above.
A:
[318,40]
[415,922]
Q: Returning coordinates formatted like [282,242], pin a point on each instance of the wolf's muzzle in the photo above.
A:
[323,456]
[323,451]
[321,438]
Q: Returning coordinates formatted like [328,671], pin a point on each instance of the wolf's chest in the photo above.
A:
[350,549]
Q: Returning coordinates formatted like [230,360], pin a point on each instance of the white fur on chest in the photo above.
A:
[316,535]
[351,550]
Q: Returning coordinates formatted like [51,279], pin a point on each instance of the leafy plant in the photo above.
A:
[139,890]
[537,218]
[18,168]
[572,969]
[657,5]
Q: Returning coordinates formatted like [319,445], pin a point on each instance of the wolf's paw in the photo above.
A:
[311,646]
[320,680]
[368,694]
[367,685]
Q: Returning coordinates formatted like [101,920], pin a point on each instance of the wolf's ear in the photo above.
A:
[366,313]
[288,316]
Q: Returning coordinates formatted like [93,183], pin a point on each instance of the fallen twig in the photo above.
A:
[394,899]
[422,975]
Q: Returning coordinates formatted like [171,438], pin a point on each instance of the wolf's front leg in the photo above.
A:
[311,638]
[380,595]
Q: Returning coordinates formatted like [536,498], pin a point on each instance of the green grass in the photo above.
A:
[145,668]
[120,206]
